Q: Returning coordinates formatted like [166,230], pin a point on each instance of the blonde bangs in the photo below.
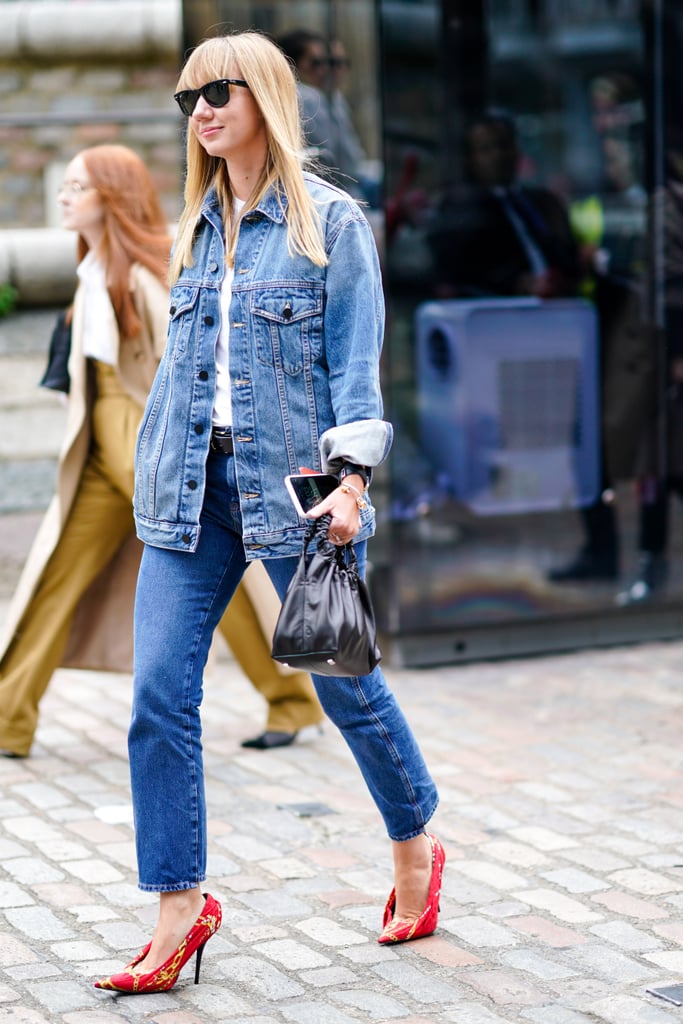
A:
[210,61]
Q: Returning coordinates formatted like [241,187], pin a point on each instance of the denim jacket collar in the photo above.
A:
[272,205]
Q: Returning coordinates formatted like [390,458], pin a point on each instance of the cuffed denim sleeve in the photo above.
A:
[365,442]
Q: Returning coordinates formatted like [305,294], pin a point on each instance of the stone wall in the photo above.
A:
[75,74]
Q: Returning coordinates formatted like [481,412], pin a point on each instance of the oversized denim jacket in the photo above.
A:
[304,354]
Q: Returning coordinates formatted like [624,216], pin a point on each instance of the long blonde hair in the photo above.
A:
[135,226]
[253,57]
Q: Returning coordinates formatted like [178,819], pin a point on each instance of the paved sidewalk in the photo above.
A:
[561,813]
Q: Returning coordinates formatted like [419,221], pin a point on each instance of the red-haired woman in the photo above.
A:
[74,602]
[119,320]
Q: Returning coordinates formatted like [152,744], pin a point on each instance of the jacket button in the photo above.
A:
[186,538]
[208,320]
[199,428]
[172,310]
[287,311]
[213,266]
[203,375]
[192,484]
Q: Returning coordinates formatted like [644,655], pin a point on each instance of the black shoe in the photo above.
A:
[268,740]
[653,574]
[587,565]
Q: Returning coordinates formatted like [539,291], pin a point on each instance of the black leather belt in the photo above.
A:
[221,441]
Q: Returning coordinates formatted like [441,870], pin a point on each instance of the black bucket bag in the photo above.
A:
[327,623]
[56,374]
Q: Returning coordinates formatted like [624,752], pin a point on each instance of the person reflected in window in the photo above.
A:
[664,473]
[610,226]
[495,235]
[353,159]
[330,136]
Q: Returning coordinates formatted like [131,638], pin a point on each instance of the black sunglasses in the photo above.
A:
[216,94]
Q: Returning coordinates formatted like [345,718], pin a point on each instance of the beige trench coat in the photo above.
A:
[101,635]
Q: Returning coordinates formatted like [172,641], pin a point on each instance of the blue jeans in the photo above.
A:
[180,599]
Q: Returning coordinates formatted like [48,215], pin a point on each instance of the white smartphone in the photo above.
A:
[308,489]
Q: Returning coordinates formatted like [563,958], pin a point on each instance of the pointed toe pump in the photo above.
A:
[397,930]
[165,976]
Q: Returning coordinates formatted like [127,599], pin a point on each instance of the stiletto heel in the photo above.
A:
[165,976]
[198,963]
[396,930]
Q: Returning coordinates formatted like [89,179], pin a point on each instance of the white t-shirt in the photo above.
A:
[99,320]
[222,408]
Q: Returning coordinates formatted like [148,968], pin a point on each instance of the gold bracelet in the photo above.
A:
[360,500]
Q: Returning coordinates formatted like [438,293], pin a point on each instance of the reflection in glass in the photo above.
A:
[526,188]
[525,371]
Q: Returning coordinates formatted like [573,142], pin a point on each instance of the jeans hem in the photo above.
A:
[419,830]
[176,887]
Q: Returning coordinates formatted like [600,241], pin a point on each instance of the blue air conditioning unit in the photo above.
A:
[509,401]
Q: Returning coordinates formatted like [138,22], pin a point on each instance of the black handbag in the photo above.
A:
[56,374]
[326,624]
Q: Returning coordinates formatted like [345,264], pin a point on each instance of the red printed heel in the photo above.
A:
[396,930]
[165,976]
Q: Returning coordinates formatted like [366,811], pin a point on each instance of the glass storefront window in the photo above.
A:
[521,166]
[529,372]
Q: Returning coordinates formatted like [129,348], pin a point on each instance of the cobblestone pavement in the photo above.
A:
[561,812]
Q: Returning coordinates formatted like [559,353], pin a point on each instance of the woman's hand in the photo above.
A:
[342,505]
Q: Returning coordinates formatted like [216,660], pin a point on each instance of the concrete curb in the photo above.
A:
[110,28]
[40,263]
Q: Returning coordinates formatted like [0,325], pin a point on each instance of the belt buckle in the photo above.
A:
[221,441]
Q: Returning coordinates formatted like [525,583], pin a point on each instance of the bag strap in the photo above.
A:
[344,554]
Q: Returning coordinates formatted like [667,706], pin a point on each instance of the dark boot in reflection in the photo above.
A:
[588,565]
[598,559]
[652,576]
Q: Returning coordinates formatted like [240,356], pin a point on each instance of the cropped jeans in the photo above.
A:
[180,600]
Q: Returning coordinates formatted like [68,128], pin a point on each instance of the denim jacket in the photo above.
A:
[304,366]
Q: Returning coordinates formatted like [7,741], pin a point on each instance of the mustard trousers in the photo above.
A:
[98,524]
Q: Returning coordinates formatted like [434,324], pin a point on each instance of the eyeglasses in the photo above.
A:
[75,188]
[216,94]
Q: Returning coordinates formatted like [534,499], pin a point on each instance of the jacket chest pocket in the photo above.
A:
[182,313]
[288,326]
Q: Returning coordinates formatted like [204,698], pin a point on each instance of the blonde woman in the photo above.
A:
[272,359]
